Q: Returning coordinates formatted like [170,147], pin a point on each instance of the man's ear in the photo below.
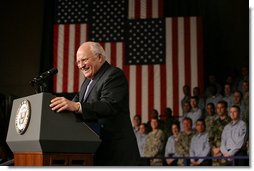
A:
[101,58]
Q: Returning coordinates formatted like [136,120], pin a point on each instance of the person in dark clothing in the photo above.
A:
[103,101]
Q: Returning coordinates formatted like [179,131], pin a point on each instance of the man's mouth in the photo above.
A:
[85,68]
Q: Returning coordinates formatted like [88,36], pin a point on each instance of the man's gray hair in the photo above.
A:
[97,49]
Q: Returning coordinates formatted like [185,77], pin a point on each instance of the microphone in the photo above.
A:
[43,76]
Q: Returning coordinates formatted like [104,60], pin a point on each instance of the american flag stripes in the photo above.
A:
[151,86]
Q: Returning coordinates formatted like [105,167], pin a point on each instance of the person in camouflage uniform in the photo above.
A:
[182,144]
[216,131]
[210,117]
[154,145]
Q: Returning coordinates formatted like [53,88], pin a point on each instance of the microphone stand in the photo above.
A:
[39,85]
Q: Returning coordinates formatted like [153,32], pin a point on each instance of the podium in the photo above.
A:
[39,136]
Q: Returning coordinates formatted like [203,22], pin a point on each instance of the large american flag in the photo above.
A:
[158,54]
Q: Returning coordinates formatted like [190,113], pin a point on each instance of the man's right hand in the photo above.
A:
[59,104]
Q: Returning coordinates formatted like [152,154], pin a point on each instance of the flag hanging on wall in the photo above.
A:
[158,54]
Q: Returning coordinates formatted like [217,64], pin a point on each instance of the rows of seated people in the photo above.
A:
[213,127]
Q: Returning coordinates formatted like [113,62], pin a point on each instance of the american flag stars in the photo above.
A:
[145,43]
[71,11]
[108,20]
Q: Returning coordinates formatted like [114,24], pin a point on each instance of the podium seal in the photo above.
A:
[23,117]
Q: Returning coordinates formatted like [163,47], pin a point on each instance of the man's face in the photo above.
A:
[186,125]
[234,113]
[221,109]
[194,103]
[142,129]
[209,109]
[136,121]
[175,130]
[154,124]
[227,89]
[87,62]
[245,87]
[186,107]
[200,127]
[237,98]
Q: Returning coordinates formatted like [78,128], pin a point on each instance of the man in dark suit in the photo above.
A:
[103,100]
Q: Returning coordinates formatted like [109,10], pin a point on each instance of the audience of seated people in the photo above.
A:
[215,116]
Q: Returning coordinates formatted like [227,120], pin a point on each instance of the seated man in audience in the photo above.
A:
[244,77]
[182,144]
[170,146]
[196,112]
[216,131]
[210,117]
[233,138]
[136,122]
[238,101]
[186,110]
[154,144]
[212,82]
[215,96]
[187,95]
[141,138]
[228,95]
[201,100]
[167,121]
[200,146]
[153,114]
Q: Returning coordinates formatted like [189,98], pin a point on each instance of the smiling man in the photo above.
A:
[103,102]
